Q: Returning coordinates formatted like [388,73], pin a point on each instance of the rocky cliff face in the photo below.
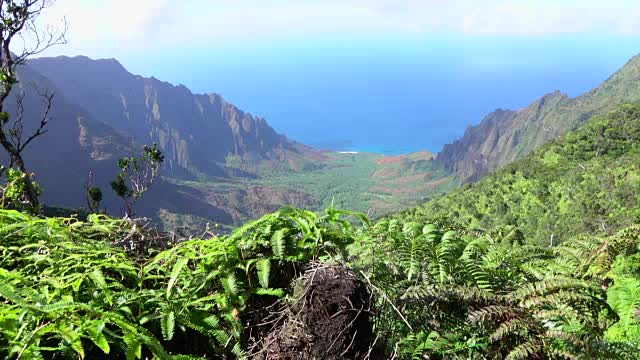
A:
[73,137]
[472,154]
[195,132]
[504,135]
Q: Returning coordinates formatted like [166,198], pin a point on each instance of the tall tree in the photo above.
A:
[21,38]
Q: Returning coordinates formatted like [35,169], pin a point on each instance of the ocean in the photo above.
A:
[391,95]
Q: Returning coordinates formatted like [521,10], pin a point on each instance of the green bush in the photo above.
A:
[14,191]
[67,292]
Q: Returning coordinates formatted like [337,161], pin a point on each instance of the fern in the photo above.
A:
[264,270]
[177,268]
[168,323]
[67,292]
[278,243]
[526,350]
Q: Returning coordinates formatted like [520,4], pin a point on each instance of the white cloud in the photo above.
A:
[540,18]
[101,25]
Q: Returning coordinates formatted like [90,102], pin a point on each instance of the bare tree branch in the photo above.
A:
[44,120]
[15,133]
[18,20]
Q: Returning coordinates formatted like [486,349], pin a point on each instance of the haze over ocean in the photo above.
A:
[392,95]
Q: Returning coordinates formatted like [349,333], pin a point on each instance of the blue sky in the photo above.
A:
[396,75]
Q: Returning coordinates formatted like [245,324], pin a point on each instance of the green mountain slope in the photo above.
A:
[505,135]
[587,181]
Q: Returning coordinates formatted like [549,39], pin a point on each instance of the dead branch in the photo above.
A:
[18,20]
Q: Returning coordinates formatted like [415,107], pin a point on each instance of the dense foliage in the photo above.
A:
[448,295]
[585,182]
[539,261]
[66,291]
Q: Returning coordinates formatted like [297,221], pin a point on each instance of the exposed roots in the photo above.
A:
[329,318]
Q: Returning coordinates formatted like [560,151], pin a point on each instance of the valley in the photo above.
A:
[371,183]
[224,166]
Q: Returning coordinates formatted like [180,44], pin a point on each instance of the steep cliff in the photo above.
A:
[73,137]
[196,132]
[504,136]
[76,143]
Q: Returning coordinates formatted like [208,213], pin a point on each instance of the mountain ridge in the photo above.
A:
[76,137]
[586,181]
[498,139]
[181,122]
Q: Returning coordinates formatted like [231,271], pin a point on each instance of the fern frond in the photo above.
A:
[168,323]
[525,351]
[263,267]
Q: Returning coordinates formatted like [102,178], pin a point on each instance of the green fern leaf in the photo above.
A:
[230,284]
[134,346]
[72,338]
[278,243]
[264,269]
[97,337]
[527,350]
[168,323]
[177,268]
[239,352]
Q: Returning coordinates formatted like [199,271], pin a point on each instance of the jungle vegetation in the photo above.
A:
[446,284]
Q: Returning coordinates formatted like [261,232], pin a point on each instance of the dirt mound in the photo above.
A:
[328,320]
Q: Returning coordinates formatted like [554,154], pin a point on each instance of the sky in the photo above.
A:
[102,26]
[386,75]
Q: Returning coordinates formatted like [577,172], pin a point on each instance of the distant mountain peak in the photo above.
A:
[554,94]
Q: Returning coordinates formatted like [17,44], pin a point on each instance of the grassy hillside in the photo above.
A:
[587,181]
